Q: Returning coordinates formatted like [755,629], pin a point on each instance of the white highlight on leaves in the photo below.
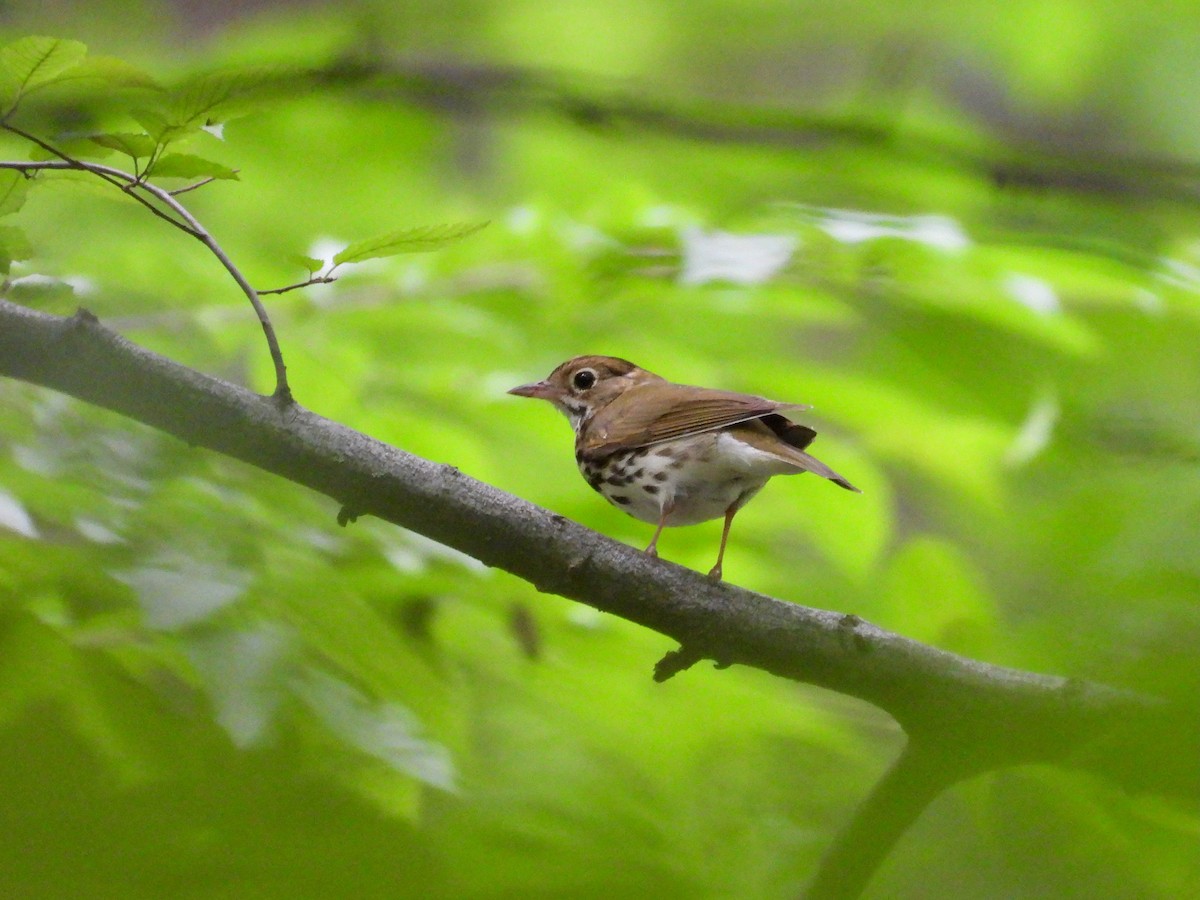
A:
[522,220]
[853,227]
[734,258]
[1033,293]
[585,617]
[584,238]
[1035,432]
[1149,302]
[414,552]
[325,249]
[663,215]
[245,673]
[97,532]
[386,731]
[80,285]
[174,598]
[14,517]
[1180,274]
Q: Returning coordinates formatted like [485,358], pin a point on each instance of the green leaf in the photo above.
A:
[138,146]
[214,97]
[409,240]
[14,245]
[13,188]
[36,61]
[157,126]
[185,165]
[218,96]
[309,263]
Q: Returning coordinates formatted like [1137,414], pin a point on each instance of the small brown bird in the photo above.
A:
[673,454]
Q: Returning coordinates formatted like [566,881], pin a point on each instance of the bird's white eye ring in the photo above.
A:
[583,379]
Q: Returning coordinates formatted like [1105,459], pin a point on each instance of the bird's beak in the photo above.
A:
[538,389]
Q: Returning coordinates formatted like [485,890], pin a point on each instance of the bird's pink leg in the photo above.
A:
[715,571]
[652,548]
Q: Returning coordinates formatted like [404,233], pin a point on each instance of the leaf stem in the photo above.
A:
[191,187]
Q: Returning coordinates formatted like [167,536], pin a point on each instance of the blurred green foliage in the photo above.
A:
[208,689]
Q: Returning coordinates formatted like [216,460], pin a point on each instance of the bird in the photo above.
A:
[675,454]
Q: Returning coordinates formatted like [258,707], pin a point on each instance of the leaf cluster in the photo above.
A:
[169,118]
[39,65]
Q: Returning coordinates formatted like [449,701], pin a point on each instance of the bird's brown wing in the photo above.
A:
[660,411]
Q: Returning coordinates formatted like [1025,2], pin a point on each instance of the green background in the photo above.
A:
[208,689]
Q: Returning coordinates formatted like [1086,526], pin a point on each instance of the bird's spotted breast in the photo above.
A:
[629,479]
[691,478]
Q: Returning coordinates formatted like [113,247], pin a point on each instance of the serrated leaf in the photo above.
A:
[157,126]
[185,165]
[36,61]
[138,146]
[98,77]
[409,240]
[309,263]
[14,186]
[219,96]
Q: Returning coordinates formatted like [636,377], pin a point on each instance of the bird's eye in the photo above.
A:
[583,379]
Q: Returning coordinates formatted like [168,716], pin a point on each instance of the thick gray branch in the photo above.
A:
[980,715]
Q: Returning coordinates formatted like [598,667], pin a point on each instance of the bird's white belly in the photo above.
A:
[696,478]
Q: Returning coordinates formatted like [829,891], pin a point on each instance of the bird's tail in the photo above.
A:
[811,464]
[798,437]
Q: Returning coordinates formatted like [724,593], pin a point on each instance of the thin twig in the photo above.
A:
[130,184]
[316,279]
[191,187]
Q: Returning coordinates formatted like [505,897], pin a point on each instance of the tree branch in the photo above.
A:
[965,715]
[455,88]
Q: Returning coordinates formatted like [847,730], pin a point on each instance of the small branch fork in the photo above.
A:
[137,187]
[326,275]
